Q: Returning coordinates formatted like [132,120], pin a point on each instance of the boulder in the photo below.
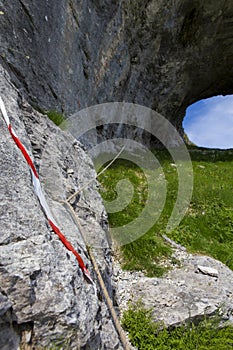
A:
[201,287]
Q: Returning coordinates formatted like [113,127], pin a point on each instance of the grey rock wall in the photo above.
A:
[72,54]
[44,298]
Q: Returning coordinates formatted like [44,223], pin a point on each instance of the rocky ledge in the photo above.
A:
[200,287]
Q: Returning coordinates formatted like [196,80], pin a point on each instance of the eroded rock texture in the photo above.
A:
[44,298]
[72,54]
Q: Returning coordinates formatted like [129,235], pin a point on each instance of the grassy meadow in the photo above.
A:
[207,226]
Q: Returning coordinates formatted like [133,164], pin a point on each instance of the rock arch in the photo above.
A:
[68,55]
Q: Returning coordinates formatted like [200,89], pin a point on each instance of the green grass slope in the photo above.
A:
[207,227]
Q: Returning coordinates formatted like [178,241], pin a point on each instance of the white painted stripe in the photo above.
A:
[4,113]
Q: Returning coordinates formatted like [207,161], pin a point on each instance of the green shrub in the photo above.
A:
[56,117]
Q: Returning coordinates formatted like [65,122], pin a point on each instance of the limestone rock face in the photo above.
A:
[72,54]
[44,298]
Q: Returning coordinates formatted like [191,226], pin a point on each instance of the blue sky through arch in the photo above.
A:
[209,122]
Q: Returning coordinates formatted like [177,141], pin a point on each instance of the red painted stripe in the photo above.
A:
[68,245]
[24,151]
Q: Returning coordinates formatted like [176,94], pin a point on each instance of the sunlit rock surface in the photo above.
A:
[200,288]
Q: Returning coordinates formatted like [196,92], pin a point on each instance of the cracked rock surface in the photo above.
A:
[201,286]
[44,298]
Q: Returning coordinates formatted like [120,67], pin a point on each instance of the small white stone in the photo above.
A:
[208,270]
[70,171]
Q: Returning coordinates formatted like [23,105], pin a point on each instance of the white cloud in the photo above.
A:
[209,122]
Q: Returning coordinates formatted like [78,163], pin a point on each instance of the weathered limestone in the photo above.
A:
[44,298]
[69,54]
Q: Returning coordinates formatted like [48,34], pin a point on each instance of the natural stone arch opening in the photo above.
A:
[209,122]
[185,60]
[162,55]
